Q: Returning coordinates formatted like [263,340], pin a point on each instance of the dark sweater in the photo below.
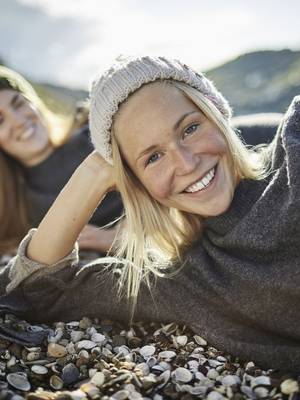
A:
[45,180]
[239,289]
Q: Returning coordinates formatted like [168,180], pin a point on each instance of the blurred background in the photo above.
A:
[251,49]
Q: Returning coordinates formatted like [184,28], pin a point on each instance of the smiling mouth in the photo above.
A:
[26,134]
[202,183]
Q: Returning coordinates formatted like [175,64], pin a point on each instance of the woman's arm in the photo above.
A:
[71,211]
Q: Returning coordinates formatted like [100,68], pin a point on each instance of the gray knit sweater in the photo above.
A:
[239,289]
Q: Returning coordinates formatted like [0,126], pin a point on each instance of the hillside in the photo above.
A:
[259,82]
[262,81]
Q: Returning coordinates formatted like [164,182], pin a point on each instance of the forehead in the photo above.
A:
[149,113]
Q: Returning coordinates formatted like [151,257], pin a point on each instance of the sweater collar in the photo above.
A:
[246,194]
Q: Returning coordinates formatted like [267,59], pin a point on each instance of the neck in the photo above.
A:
[40,157]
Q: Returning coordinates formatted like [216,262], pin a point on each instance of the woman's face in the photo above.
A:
[178,154]
[23,134]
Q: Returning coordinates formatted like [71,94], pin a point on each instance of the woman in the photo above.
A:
[39,150]
[219,222]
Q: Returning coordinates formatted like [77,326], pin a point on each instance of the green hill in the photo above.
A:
[259,82]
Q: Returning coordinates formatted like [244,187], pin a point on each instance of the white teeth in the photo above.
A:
[202,183]
[26,134]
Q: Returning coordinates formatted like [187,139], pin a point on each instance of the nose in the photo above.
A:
[18,118]
[184,160]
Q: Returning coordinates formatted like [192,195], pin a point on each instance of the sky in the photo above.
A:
[68,42]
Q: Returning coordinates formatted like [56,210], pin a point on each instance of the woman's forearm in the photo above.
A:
[59,230]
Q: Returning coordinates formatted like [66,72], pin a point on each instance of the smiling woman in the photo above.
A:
[39,150]
[211,226]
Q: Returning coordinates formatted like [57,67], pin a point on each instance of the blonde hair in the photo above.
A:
[154,238]
[14,220]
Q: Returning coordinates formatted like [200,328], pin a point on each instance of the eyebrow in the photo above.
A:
[14,99]
[175,127]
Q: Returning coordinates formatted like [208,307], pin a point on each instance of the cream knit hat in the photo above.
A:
[127,75]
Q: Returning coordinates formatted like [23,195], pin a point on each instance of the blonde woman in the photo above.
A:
[212,228]
[39,150]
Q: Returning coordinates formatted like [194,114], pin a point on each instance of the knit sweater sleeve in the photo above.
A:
[21,268]
[286,148]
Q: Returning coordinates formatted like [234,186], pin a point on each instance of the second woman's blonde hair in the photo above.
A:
[154,238]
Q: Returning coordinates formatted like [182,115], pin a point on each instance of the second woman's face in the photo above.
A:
[23,135]
[178,154]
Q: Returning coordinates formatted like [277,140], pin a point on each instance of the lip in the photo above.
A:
[201,177]
[30,127]
[208,187]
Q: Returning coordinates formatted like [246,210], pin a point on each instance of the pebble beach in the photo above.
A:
[102,359]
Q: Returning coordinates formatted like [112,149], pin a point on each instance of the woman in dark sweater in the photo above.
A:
[39,151]
[214,225]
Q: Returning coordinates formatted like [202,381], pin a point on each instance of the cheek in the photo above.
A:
[158,185]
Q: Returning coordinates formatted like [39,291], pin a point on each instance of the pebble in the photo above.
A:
[56,350]
[167,355]
[212,374]
[260,380]
[93,359]
[181,340]
[56,382]
[70,374]
[76,336]
[86,344]
[289,386]
[147,351]
[98,338]
[230,380]
[19,381]
[39,370]
[120,395]
[98,379]
[215,396]
[199,340]
[182,375]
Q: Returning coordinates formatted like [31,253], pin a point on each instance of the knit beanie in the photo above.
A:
[126,76]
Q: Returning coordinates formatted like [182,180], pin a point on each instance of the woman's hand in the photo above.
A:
[96,163]
[94,238]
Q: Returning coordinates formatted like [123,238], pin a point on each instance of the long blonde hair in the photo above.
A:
[153,237]
[14,220]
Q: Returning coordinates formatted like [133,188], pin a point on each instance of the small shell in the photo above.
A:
[167,354]
[86,344]
[39,369]
[212,373]
[56,350]
[147,351]
[19,381]
[56,382]
[289,386]
[260,380]
[76,336]
[164,378]
[230,380]
[70,374]
[261,392]
[98,338]
[98,379]
[215,396]
[120,395]
[181,340]
[182,375]
[199,340]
